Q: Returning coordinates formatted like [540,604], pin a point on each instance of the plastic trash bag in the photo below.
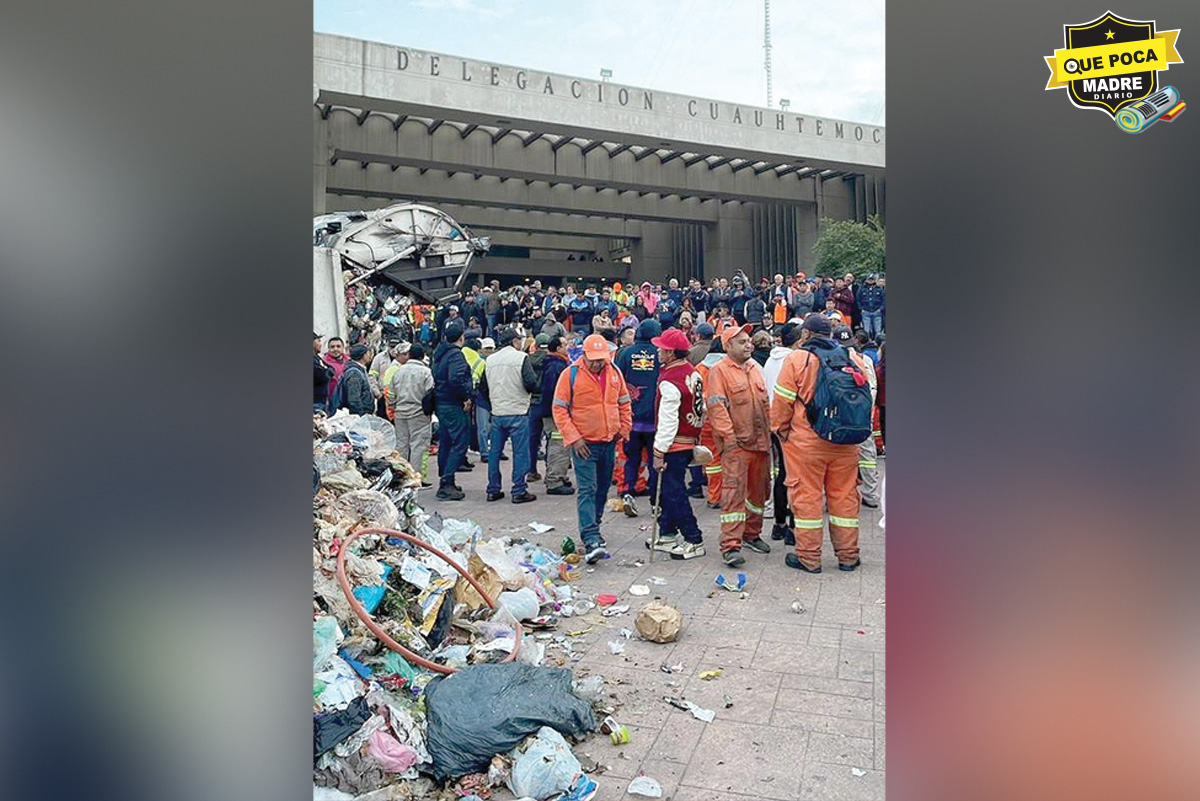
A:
[591,689]
[326,636]
[379,433]
[644,785]
[393,755]
[494,556]
[460,532]
[545,768]
[522,604]
[484,710]
[375,507]
[331,728]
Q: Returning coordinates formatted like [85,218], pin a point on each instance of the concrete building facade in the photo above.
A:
[584,179]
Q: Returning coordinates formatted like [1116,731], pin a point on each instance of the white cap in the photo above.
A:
[487,342]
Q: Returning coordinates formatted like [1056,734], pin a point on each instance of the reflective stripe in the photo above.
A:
[556,435]
[758,510]
[623,399]
[733,517]
[868,464]
[784,392]
[844,522]
[814,524]
[712,469]
[717,399]
[561,403]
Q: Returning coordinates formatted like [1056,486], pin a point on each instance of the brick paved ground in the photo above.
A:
[807,720]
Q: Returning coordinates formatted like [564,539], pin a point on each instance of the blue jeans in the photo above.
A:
[516,427]
[483,429]
[594,475]
[639,441]
[675,508]
[535,439]
[453,434]
[491,325]
[872,323]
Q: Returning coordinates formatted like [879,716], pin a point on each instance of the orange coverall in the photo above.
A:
[816,468]
[736,397]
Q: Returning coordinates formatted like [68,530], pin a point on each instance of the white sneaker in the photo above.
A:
[628,506]
[687,550]
[665,544]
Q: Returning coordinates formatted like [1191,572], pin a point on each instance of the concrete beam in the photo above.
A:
[588,270]
[576,163]
[358,73]
[379,180]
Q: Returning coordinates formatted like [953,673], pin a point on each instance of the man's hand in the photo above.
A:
[581,449]
[659,461]
[468,406]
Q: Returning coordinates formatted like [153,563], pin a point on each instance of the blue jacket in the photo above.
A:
[357,395]
[552,368]
[639,365]
[581,311]
[452,382]
[871,298]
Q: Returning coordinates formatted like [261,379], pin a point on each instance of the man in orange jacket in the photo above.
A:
[816,469]
[737,405]
[592,410]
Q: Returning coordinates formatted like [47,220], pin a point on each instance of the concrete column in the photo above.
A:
[319,202]
[870,193]
[652,253]
[729,245]
[819,191]
[860,199]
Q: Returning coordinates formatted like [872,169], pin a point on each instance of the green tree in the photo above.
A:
[846,246]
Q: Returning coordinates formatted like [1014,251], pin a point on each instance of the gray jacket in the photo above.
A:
[410,382]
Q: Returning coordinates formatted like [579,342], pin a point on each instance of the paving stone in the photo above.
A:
[823,724]
[843,706]
[842,750]
[812,660]
[823,781]
[822,684]
[738,757]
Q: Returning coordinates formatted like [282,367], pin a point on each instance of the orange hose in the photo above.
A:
[383,636]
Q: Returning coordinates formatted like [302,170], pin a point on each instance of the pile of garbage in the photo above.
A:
[431,643]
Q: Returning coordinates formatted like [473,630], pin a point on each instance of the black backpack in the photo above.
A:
[840,408]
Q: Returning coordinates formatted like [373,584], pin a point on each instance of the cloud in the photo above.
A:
[828,55]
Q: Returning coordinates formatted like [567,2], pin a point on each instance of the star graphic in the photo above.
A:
[1108,34]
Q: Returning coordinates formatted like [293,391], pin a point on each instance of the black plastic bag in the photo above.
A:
[331,728]
[484,710]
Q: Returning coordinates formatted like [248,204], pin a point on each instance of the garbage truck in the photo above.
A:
[420,248]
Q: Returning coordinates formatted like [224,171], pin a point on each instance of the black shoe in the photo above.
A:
[503,458]
[733,558]
[562,489]
[596,553]
[524,497]
[757,545]
[534,476]
[450,493]
[425,485]
[695,492]
[870,504]
[778,532]
[495,496]
[465,468]
[850,568]
[789,538]
[712,505]
[791,560]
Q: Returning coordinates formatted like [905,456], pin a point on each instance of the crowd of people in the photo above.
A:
[734,393]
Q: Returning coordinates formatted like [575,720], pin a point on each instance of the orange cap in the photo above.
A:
[617,286]
[596,347]
[731,331]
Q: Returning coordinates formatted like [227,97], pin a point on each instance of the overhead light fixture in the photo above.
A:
[605,74]
[784,103]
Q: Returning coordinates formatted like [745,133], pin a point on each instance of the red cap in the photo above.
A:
[596,347]
[671,339]
[730,332]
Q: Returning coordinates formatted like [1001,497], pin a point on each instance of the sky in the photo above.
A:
[827,55]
